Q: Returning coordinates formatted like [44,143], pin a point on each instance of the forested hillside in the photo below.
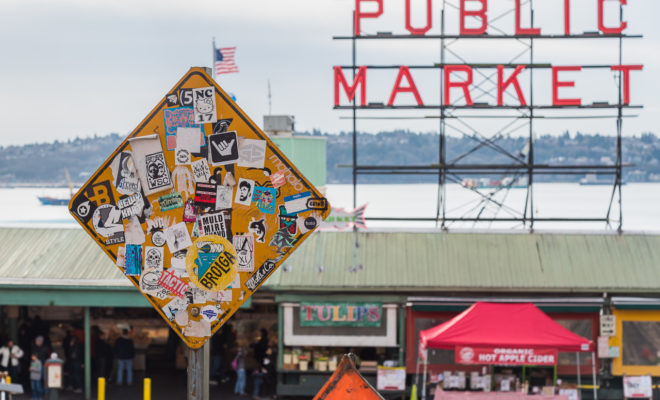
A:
[46,162]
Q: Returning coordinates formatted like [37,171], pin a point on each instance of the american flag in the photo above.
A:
[224,60]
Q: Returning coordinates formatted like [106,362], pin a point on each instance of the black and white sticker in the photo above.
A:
[83,208]
[223,148]
[204,105]
[259,276]
[244,192]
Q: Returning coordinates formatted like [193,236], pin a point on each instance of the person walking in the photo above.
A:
[75,358]
[36,384]
[10,356]
[217,355]
[257,379]
[270,379]
[239,366]
[42,351]
[124,353]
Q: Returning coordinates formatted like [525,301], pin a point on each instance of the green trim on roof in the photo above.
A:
[395,263]
[77,296]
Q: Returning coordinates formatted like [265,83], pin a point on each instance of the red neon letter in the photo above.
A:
[601,24]
[512,80]
[474,13]
[360,79]
[404,71]
[524,31]
[567,17]
[464,84]
[359,14]
[556,84]
[429,23]
[626,79]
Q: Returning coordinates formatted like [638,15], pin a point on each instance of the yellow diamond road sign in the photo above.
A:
[197,207]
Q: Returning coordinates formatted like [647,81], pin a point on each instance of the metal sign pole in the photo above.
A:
[195,374]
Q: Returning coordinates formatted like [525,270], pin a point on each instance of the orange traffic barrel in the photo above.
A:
[346,383]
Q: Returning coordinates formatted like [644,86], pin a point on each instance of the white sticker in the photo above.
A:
[251,153]
[209,313]
[178,267]
[187,143]
[178,237]
[121,256]
[150,164]
[223,197]
[225,295]
[244,192]
[153,257]
[149,283]
[172,308]
[133,233]
[244,245]
[201,171]
[188,138]
[204,105]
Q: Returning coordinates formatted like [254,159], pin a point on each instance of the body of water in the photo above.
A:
[641,202]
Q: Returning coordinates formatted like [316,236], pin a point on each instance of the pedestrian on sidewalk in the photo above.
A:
[10,356]
[257,379]
[239,365]
[124,352]
[36,384]
[75,358]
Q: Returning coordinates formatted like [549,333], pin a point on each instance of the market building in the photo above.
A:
[332,296]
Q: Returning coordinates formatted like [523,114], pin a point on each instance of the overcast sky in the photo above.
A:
[77,67]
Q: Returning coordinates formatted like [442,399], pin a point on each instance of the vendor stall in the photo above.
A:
[504,335]
[316,332]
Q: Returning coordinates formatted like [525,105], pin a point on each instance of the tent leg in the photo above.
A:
[579,379]
[593,373]
[424,379]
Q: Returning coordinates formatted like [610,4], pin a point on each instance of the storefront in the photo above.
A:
[635,345]
[317,331]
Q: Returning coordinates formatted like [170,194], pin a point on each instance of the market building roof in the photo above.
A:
[403,262]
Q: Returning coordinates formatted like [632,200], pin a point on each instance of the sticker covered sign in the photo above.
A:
[198,250]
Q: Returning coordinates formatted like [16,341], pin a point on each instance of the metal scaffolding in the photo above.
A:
[456,118]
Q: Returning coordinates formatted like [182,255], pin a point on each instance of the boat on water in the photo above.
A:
[487,183]
[58,201]
[592,179]
[54,201]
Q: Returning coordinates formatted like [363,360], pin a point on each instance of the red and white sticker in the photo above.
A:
[278,179]
[172,283]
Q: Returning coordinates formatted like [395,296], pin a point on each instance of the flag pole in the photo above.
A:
[213,63]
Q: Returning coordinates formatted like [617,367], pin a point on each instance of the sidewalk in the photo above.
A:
[164,386]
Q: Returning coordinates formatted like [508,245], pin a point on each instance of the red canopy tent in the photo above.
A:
[503,326]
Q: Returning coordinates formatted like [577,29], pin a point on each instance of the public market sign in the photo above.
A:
[472,21]
[192,207]
[341,314]
[504,356]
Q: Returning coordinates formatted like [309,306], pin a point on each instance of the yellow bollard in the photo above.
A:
[147,388]
[101,389]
